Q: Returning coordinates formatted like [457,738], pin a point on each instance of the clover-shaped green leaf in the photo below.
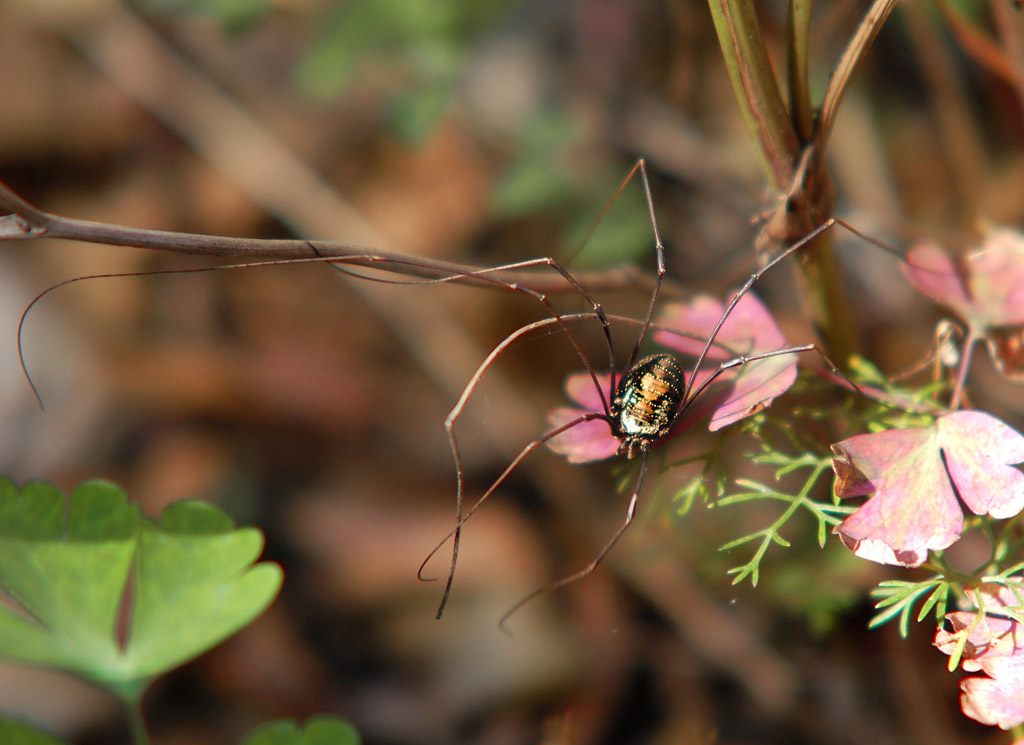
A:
[321,730]
[116,598]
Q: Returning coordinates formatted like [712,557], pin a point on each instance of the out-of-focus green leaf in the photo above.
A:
[118,599]
[16,733]
[623,235]
[413,116]
[534,180]
[401,36]
[529,186]
[320,730]
[234,15]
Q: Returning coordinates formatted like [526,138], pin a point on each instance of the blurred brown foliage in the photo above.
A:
[312,405]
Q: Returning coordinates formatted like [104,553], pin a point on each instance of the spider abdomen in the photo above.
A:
[646,402]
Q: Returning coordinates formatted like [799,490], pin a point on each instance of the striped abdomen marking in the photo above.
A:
[646,401]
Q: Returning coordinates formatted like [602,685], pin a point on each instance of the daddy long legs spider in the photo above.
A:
[641,403]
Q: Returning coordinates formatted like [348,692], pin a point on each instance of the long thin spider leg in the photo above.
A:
[743,360]
[659,249]
[479,275]
[641,167]
[789,251]
[596,561]
[147,273]
[744,289]
[457,410]
[455,534]
[549,262]
[332,260]
[880,398]
[870,239]
[449,425]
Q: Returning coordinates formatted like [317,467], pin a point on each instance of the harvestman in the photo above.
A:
[640,406]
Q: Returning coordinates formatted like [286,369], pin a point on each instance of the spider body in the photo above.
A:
[646,403]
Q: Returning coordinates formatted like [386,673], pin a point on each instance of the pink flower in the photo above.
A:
[589,441]
[991,636]
[999,698]
[734,394]
[995,646]
[985,289]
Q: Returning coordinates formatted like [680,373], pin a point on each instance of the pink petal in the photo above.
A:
[996,278]
[992,636]
[989,288]
[872,549]
[580,389]
[934,273]
[998,699]
[992,595]
[749,329]
[584,443]
[979,448]
[913,508]
[696,319]
[754,388]
[910,475]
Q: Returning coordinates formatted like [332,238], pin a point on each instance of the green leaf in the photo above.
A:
[784,464]
[420,43]
[16,733]
[37,513]
[528,186]
[536,179]
[179,586]
[414,115]
[319,730]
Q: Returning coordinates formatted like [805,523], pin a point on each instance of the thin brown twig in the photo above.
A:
[26,221]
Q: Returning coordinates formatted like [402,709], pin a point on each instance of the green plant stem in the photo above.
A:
[792,144]
[822,289]
[757,91]
[136,720]
[798,34]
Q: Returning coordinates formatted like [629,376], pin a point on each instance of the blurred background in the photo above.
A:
[312,404]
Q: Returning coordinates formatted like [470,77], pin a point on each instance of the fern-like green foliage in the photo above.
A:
[794,444]
[897,599]
[825,514]
[118,599]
